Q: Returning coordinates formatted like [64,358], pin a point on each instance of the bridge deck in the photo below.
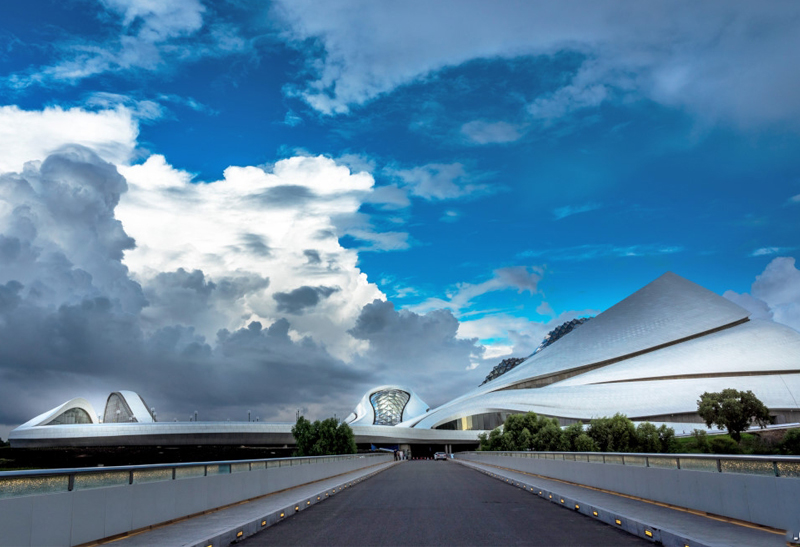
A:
[439,503]
[219,528]
[693,528]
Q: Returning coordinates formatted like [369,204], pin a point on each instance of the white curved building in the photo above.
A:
[387,405]
[126,406]
[649,357]
[74,411]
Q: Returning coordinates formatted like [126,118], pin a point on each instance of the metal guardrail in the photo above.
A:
[48,481]
[775,466]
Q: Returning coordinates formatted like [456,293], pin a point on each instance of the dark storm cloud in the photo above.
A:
[73,323]
[302,298]
[405,335]
[422,352]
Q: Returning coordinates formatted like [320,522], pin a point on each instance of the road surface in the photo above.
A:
[438,503]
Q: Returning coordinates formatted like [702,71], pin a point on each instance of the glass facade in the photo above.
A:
[490,420]
[388,405]
[117,410]
[71,416]
[477,422]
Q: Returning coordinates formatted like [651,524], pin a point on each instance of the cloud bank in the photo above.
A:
[221,296]
[732,62]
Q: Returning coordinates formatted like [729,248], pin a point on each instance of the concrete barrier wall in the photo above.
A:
[81,516]
[766,500]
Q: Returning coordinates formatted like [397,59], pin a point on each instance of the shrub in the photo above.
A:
[790,444]
[700,441]
[724,445]
[754,444]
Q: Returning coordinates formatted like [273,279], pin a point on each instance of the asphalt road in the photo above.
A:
[438,503]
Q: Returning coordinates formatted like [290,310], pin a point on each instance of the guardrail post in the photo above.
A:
[719,465]
[71,482]
[174,469]
[775,468]
[205,470]
[130,476]
[623,460]
[678,462]
[647,461]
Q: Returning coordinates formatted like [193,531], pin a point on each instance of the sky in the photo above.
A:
[235,205]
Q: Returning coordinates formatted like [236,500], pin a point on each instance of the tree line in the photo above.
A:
[614,434]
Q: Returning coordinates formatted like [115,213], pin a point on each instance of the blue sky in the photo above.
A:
[517,166]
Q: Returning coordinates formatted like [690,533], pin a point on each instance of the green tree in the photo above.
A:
[483,440]
[584,443]
[493,441]
[525,440]
[647,438]
[667,437]
[345,440]
[305,436]
[615,434]
[732,410]
[571,435]
[549,437]
[323,438]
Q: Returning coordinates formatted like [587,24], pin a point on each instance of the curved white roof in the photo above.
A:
[135,408]
[53,414]
[634,399]
[655,352]
[756,347]
[670,308]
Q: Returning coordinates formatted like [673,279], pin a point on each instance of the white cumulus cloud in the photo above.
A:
[31,135]
[774,294]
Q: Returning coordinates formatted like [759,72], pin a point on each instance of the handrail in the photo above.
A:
[35,481]
[778,466]
[26,472]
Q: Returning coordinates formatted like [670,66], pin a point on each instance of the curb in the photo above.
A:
[632,525]
[241,531]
